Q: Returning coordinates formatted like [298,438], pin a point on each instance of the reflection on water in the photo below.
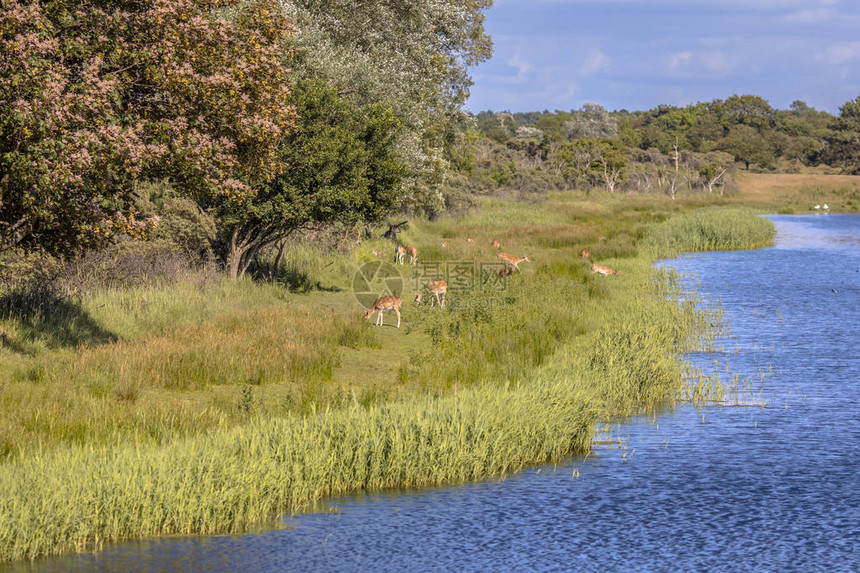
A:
[771,488]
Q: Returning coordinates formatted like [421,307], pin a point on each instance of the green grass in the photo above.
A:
[205,407]
[725,229]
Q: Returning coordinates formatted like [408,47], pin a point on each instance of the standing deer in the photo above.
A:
[584,253]
[497,244]
[382,304]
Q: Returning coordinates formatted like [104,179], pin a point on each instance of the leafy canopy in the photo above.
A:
[96,94]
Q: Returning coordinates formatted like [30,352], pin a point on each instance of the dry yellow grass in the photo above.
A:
[798,192]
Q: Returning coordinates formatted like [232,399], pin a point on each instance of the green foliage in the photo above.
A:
[748,146]
[411,57]
[843,146]
[593,162]
[184,223]
[339,165]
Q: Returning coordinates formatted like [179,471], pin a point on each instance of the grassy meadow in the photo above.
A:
[202,405]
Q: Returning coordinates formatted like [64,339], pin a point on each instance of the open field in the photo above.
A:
[140,405]
[798,193]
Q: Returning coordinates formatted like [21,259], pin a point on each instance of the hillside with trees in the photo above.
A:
[694,149]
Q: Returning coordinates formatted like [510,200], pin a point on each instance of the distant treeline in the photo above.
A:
[665,149]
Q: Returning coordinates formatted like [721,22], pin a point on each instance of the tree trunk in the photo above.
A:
[277,264]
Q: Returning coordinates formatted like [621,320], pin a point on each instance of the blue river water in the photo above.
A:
[769,487]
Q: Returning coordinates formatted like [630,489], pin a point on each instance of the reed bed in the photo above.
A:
[711,230]
[82,497]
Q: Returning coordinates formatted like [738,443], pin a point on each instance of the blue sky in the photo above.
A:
[637,54]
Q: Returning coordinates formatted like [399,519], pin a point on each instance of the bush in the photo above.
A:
[129,264]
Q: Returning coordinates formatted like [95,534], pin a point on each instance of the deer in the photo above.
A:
[400,252]
[584,253]
[470,240]
[602,270]
[513,260]
[438,289]
[497,244]
[382,304]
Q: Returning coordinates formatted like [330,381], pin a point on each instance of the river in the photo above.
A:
[769,487]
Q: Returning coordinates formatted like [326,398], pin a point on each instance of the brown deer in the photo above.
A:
[413,254]
[512,260]
[399,253]
[497,244]
[584,253]
[602,270]
[382,304]
[438,289]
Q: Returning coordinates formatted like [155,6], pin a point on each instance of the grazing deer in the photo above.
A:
[413,254]
[584,253]
[497,244]
[512,260]
[444,244]
[382,304]
[438,289]
[470,240]
[377,252]
[602,270]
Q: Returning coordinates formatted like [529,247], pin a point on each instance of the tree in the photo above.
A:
[591,121]
[593,161]
[747,145]
[713,169]
[95,95]
[843,145]
[411,56]
[750,110]
[339,164]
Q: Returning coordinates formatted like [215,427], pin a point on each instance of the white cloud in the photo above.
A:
[680,60]
[816,16]
[694,64]
[523,67]
[842,53]
[596,62]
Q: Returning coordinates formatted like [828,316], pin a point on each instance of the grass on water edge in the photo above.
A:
[480,389]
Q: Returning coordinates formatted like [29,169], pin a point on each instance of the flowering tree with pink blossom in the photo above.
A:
[98,94]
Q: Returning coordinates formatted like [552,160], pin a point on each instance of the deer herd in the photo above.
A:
[436,290]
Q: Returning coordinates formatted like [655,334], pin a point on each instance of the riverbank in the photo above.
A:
[499,380]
